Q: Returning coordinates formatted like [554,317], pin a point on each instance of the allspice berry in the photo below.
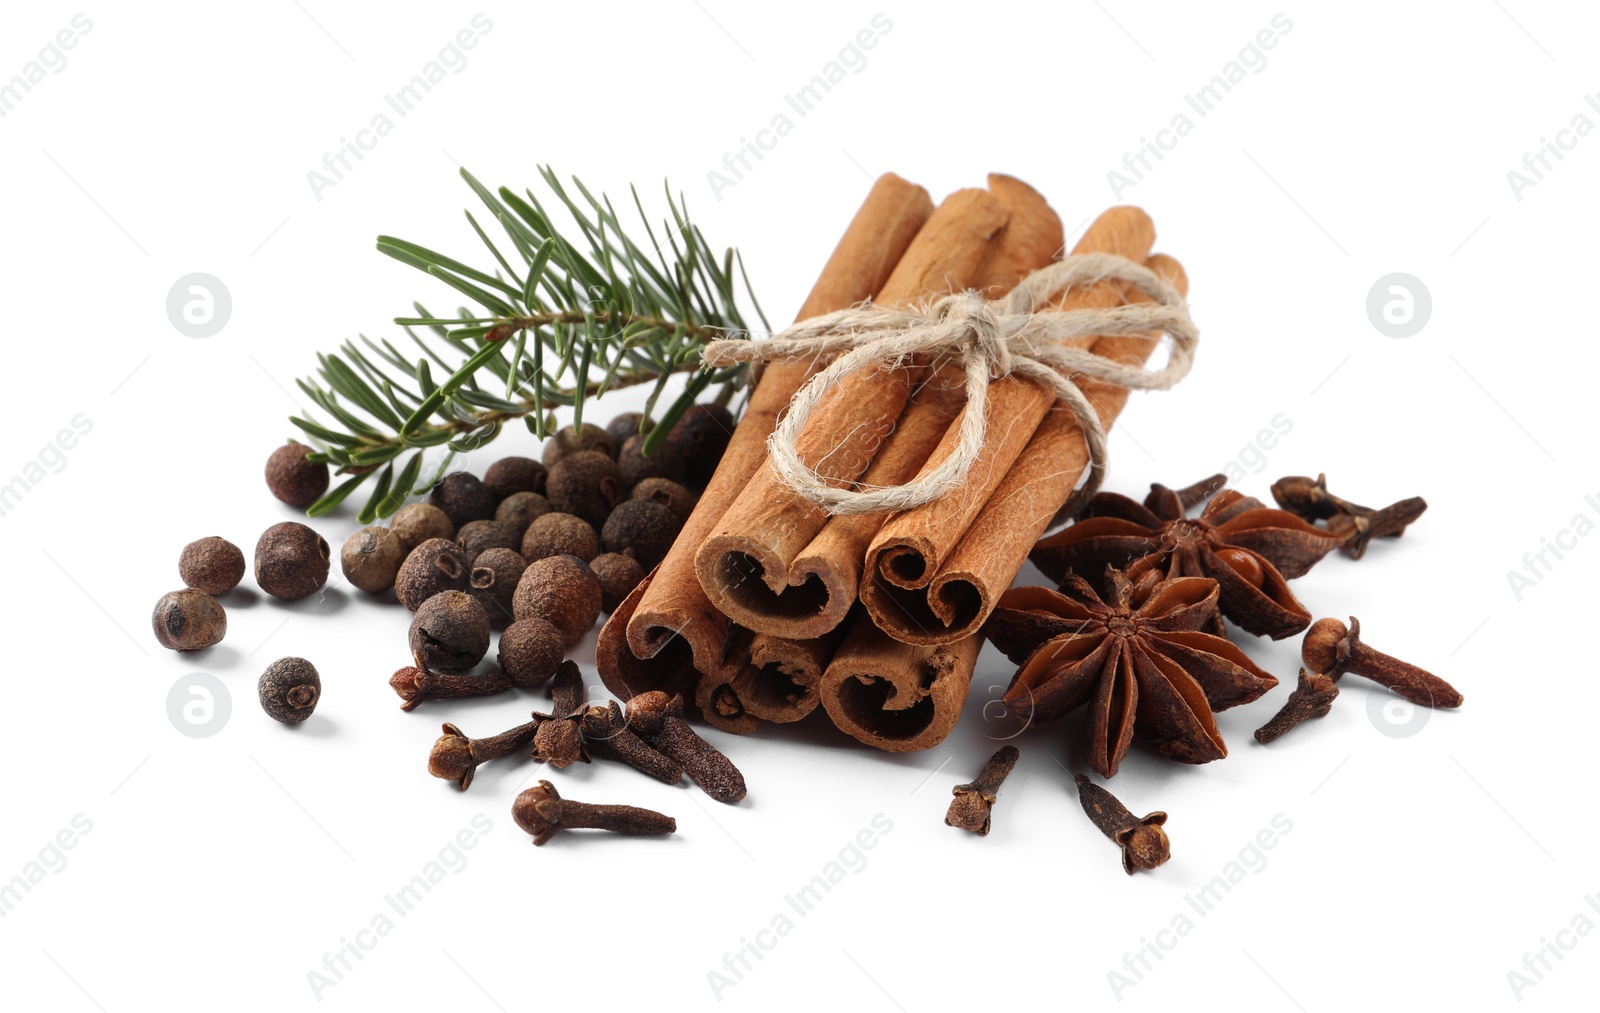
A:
[434,566]
[511,475]
[493,581]
[478,537]
[566,441]
[292,478]
[585,484]
[628,424]
[188,620]
[415,523]
[521,509]
[562,591]
[672,495]
[618,576]
[371,557]
[289,690]
[530,650]
[700,437]
[641,528]
[633,466]
[463,498]
[291,561]
[213,565]
[450,632]
[558,535]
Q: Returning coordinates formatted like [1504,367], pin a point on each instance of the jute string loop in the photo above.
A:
[1006,337]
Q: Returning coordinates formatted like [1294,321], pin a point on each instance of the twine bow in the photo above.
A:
[1006,337]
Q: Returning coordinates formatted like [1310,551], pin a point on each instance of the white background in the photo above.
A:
[219,871]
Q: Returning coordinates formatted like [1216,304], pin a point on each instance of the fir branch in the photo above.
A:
[566,317]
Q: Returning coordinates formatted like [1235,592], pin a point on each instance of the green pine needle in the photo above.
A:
[591,311]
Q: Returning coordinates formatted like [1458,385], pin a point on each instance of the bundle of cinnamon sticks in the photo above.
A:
[767,606]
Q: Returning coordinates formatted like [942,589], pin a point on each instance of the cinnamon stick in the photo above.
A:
[780,682]
[747,565]
[994,547]
[896,696]
[902,589]
[667,628]
[903,697]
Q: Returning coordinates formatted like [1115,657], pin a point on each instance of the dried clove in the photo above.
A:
[1144,844]
[1311,698]
[1189,497]
[974,800]
[541,811]
[605,728]
[1357,529]
[1356,524]
[1331,648]
[415,683]
[455,757]
[659,721]
[559,741]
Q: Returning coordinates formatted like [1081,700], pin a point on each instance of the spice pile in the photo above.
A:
[735,595]
[537,550]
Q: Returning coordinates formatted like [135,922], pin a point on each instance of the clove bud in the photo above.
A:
[1331,648]
[973,801]
[455,757]
[659,720]
[541,811]
[1144,844]
[1311,698]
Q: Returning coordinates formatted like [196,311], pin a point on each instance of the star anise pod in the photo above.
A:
[1249,548]
[1147,665]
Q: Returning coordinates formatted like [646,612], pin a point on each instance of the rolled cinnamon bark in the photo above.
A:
[907,588]
[779,681]
[667,627]
[746,565]
[896,696]
[903,697]
[993,548]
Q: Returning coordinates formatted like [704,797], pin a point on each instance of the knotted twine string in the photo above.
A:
[1005,337]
